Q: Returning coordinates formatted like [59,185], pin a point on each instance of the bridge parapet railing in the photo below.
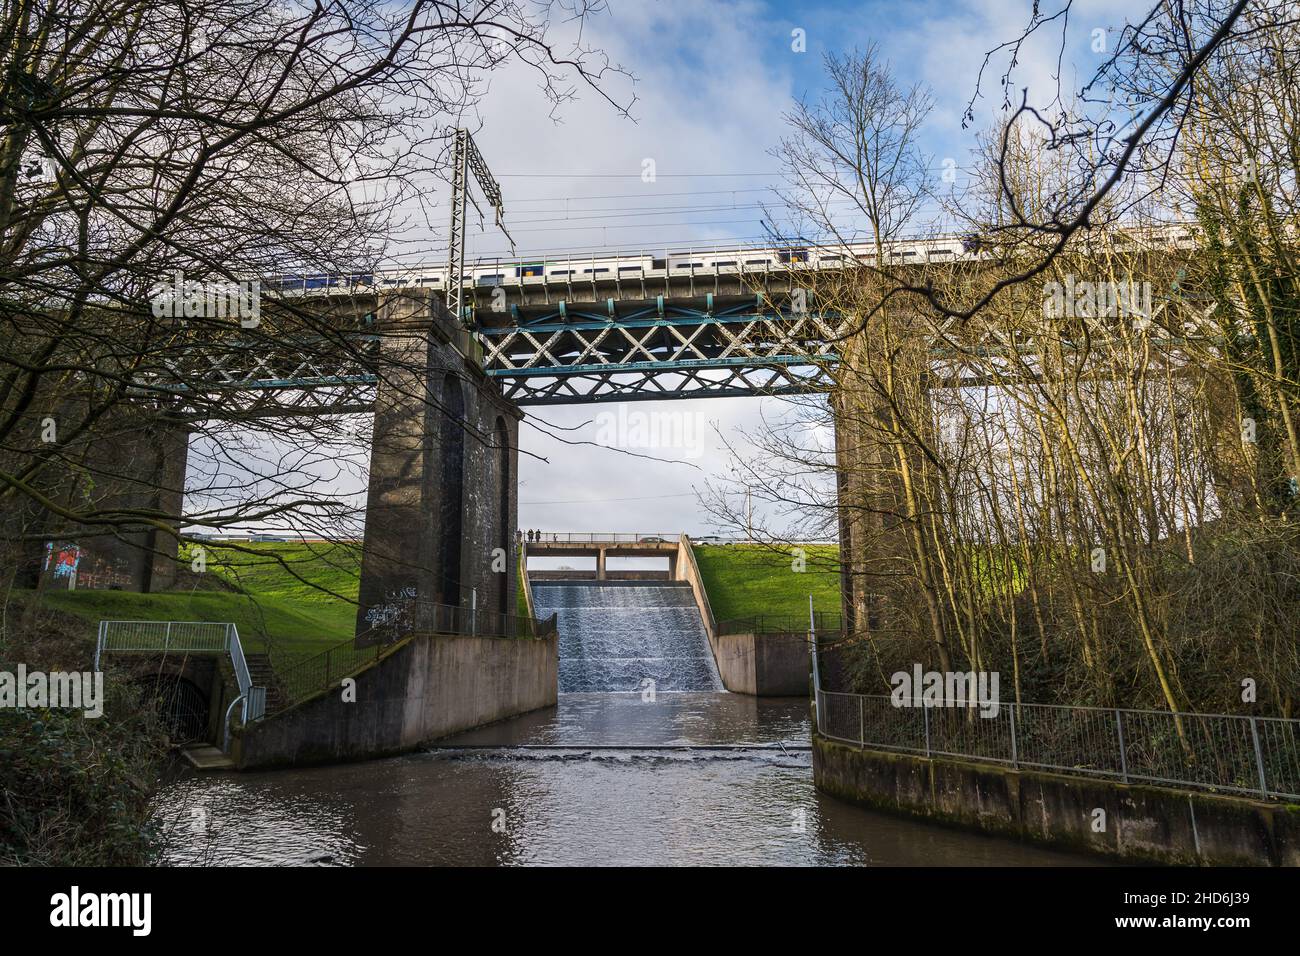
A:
[1258,756]
[604,537]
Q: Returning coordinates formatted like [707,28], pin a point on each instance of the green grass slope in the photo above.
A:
[744,580]
[272,592]
[278,595]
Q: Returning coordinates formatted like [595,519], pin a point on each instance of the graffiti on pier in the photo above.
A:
[393,617]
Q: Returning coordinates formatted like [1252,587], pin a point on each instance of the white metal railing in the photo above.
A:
[188,637]
[183,636]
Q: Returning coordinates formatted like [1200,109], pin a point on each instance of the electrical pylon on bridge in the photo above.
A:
[466,159]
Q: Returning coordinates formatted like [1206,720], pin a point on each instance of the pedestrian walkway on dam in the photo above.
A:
[614,636]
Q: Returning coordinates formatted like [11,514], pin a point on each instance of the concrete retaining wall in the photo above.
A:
[768,665]
[1150,824]
[430,687]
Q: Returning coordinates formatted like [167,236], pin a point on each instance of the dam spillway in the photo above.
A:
[615,635]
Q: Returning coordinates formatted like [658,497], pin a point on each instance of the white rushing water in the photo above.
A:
[618,636]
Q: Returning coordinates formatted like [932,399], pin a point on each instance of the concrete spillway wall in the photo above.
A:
[766,665]
[430,687]
[1139,823]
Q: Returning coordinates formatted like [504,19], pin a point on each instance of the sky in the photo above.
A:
[712,80]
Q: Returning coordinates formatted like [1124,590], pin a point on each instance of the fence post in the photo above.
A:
[167,637]
[816,676]
[1014,756]
[862,727]
[1259,759]
[925,712]
[1123,757]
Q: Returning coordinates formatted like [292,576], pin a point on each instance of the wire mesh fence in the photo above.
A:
[1253,755]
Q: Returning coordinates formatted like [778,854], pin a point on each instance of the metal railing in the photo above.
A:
[196,637]
[603,537]
[1250,755]
[187,637]
[399,618]
[825,622]
[309,676]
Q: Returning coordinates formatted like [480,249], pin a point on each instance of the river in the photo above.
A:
[603,778]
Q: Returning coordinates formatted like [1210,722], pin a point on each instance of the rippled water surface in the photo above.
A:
[600,779]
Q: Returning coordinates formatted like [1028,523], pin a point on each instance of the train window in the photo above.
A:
[756,262]
[629,268]
[491,280]
[793,255]
[561,272]
[941,252]
[529,269]
[724,262]
[689,265]
[600,269]
[316,282]
[910,252]
[658,264]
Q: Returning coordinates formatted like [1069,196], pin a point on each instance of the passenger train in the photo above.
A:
[609,266]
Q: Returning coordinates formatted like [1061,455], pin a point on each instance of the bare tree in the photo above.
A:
[221,141]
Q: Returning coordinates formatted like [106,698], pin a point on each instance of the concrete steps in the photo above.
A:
[207,757]
[263,675]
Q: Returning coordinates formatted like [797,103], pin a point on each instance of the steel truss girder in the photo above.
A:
[588,342]
[653,382]
[251,380]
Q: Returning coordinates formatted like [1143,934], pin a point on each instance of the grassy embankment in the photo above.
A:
[273,595]
[274,605]
[744,580]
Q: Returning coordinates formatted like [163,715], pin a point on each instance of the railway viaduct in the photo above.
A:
[446,395]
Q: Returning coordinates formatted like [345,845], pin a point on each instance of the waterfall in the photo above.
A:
[614,635]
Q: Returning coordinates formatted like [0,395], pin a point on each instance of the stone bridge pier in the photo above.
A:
[441,507]
[134,462]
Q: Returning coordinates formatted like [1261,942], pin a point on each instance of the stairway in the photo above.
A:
[263,675]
